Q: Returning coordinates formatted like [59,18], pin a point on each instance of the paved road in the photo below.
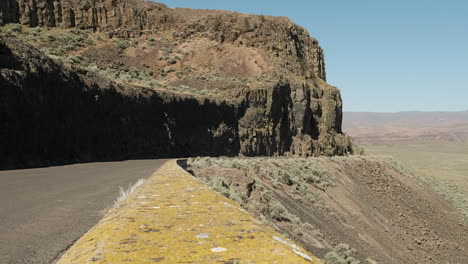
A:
[189,218]
[43,211]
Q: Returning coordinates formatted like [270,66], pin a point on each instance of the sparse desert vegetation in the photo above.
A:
[117,58]
[357,209]
[342,254]
[83,49]
[258,185]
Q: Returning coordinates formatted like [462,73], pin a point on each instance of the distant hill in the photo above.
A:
[404,127]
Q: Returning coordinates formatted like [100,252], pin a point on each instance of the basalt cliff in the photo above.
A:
[114,79]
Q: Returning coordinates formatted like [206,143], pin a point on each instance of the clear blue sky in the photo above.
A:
[385,56]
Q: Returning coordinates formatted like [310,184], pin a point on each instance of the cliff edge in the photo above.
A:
[103,80]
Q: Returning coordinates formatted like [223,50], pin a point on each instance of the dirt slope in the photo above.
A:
[344,209]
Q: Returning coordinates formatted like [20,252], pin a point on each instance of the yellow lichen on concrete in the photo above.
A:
[174,218]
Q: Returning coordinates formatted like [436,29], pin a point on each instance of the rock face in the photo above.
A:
[292,118]
[102,15]
[51,112]
[52,115]
[280,38]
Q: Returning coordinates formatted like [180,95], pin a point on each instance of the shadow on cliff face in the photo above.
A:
[264,76]
[50,115]
[53,114]
[7,61]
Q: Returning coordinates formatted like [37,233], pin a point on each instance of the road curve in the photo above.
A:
[176,218]
[43,211]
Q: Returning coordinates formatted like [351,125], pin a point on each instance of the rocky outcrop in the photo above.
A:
[284,42]
[52,112]
[101,15]
[302,119]
[286,45]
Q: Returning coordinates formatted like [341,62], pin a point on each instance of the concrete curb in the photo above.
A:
[174,218]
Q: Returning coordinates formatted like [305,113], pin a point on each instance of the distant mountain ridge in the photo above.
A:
[406,126]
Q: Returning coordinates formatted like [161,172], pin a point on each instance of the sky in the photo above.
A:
[384,56]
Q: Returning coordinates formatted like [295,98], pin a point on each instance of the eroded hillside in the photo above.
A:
[344,209]
[98,80]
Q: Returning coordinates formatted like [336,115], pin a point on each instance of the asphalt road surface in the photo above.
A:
[43,211]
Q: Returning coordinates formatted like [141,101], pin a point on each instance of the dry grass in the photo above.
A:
[297,176]
[124,193]
[342,254]
[295,172]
